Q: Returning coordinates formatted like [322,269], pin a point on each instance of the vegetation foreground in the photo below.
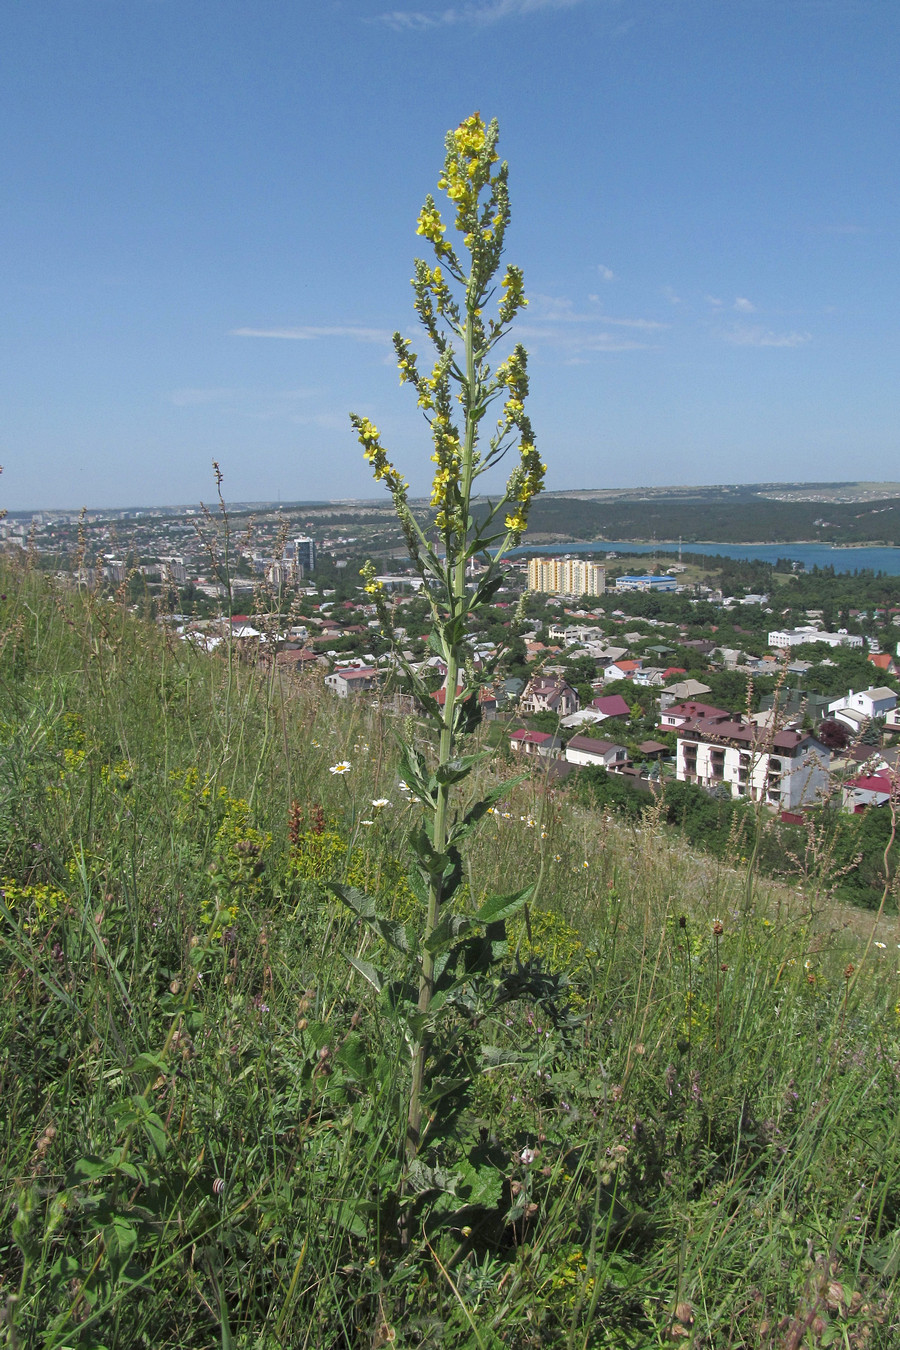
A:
[680,1123]
[319,1031]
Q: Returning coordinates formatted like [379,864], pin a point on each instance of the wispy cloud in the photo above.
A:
[558,309]
[308,333]
[670,294]
[606,273]
[743,305]
[553,321]
[493,11]
[754,335]
[578,341]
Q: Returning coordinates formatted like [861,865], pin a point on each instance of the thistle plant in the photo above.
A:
[451,297]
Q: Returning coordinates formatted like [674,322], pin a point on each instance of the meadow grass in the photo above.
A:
[690,1136]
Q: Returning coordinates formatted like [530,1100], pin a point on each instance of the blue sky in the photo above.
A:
[208,228]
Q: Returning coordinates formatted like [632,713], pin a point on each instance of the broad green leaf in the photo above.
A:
[451,927]
[502,906]
[352,1055]
[88,1169]
[368,972]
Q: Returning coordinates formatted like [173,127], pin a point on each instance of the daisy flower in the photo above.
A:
[343,766]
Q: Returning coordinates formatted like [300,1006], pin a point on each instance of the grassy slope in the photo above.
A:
[714,1124]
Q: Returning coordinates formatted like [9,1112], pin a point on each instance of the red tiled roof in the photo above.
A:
[871,783]
[611,705]
[591,746]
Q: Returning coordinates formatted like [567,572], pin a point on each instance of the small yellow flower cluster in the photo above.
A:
[41,900]
[375,453]
[525,482]
[513,287]
[467,169]
[431,226]
[448,457]
[406,361]
[372,585]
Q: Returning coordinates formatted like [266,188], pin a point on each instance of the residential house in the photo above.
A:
[349,682]
[884,661]
[867,790]
[621,670]
[610,705]
[685,689]
[649,676]
[549,695]
[538,743]
[677,714]
[784,769]
[854,710]
[602,754]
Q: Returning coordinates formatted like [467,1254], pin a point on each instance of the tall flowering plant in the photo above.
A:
[452,295]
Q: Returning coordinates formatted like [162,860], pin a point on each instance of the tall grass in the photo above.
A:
[692,1138]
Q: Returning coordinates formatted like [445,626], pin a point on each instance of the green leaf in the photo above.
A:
[119,1239]
[395,934]
[480,1185]
[352,1055]
[475,813]
[442,1087]
[147,1061]
[457,769]
[155,1131]
[362,905]
[368,972]
[500,907]
[448,930]
[85,1170]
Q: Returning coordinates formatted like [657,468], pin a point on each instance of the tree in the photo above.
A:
[833,734]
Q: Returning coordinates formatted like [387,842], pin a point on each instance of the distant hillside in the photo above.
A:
[736,516]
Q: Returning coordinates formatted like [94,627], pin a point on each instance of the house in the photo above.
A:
[602,754]
[621,670]
[653,749]
[856,709]
[677,714]
[884,661]
[784,769]
[867,790]
[610,705]
[649,676]
[349,682]
[685,689]
[549,695]
[538,743]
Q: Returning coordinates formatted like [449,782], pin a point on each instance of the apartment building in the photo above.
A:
[785,769]
[566,576]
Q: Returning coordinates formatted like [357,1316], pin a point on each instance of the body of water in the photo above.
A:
[811,555]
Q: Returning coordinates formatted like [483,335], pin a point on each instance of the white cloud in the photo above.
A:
[606,273]
[417,20]
[744,305]
[579,341]
[670,294]
[559,309]
[712,300]
[308,333]
[744,335]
